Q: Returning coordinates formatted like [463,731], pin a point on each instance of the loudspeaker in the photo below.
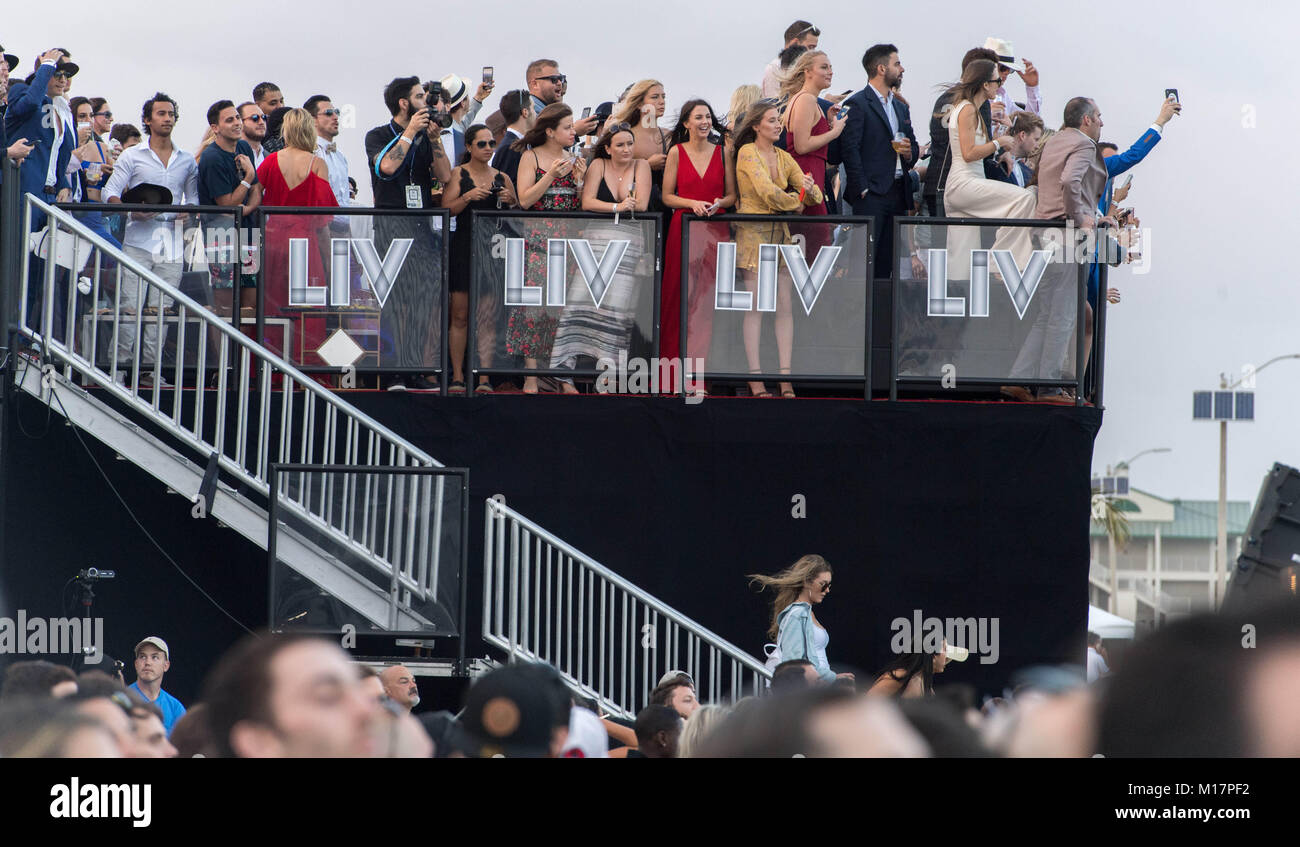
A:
[1270,553]
[1273,534]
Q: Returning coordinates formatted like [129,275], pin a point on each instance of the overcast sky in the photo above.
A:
[1217,194]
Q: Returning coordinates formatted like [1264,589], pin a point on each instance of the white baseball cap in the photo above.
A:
[588,738]
[157,642]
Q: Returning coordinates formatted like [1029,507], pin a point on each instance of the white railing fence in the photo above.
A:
[545,601]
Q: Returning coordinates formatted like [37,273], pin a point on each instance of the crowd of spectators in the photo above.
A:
[789,146]
[1190,689]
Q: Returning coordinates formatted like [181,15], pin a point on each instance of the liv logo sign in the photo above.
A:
[380,274]
[1021,285]
[597,273]
[808,281]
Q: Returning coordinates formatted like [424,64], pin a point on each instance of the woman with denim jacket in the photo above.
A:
[795,628]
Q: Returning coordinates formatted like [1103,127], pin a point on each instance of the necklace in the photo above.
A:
[609,169]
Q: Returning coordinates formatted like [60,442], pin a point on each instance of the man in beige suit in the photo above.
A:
[1071,178]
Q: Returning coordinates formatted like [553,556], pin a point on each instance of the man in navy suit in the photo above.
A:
[877,176]
[32,115]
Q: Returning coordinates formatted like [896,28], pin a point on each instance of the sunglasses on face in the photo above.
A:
[329,113]
[485,144]
[62,75]
[258,117]
[108,115]
[558,79]
[823,586]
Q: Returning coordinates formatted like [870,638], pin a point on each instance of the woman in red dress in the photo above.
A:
[296,176]
[698,179]
[808,132]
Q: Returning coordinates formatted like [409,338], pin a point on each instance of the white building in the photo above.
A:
[1167,566]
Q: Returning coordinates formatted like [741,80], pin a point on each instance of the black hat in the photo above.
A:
[148,194]
[10,59]
[604,110]
[508,713]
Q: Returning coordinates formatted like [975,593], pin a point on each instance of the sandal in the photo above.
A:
[761,391]
[787,390]
[457,387]
[484,388]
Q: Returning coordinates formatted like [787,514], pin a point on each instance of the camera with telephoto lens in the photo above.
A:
[437,117]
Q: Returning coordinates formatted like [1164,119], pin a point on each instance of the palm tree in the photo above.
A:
[1108,513]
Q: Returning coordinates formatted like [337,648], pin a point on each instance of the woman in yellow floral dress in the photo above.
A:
[769,182]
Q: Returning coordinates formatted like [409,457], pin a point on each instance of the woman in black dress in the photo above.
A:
[474,184]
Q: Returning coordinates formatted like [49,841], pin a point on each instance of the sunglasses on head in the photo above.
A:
[814,30]
[485,144]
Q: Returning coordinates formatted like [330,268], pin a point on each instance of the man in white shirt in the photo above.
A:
[327,131]
[1097,667]
[152,239]
[800,32]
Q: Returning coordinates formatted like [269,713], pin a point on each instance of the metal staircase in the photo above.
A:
[365,542]
[546,601]
[216,446]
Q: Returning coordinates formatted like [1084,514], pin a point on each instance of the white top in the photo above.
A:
[139,165]
[820,639]
[62,123]
[337,164]
[771,84]
[1097,666]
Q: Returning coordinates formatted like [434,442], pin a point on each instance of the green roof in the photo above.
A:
[1192,519]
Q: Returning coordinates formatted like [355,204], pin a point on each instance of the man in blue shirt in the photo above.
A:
[152,660]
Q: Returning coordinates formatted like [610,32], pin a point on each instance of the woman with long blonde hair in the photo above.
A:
[808,130]
[741,99]
[794,627]
[642,107]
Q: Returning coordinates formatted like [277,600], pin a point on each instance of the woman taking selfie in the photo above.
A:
[474,184]
[700,179]
[617,184]
[795,628]
[769,183]
[550,179]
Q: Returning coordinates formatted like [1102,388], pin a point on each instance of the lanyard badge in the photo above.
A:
[414,199]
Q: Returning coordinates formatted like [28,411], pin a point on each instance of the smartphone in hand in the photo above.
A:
[1172,92]
[488,73]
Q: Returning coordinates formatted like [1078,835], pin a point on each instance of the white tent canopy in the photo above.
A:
[1107,625]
